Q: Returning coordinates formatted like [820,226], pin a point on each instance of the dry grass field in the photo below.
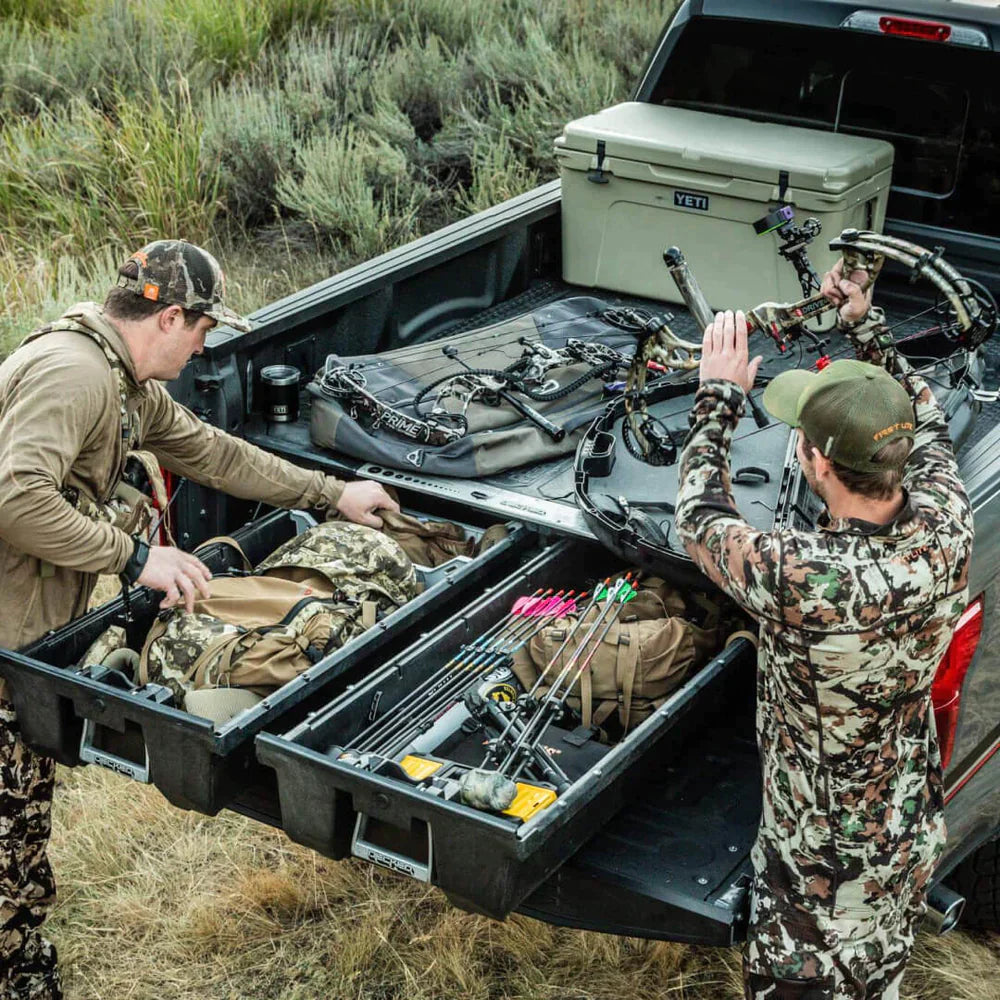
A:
[295,138]
[159,904]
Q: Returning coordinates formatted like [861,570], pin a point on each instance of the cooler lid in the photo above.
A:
[733,147]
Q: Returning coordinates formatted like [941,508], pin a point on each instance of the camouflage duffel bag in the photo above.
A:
[312,595]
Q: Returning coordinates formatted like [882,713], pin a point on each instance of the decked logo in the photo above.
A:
[685,199]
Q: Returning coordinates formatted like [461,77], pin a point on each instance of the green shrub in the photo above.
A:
[41,286]
[43,12]
[495,175]
[325,79]
[121,48]
[248,138]
[79,179]
[230,34]
[423,82]
[355,191]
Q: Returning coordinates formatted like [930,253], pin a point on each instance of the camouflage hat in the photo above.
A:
[850,410]
[181,274]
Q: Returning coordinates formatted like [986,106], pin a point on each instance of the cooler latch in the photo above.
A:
[598,176]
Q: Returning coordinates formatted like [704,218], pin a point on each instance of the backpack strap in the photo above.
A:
[114,362]
[587,697]
[369,613]
[626,677]
[157,629]
[224,645]
[626,664]
[224,642]
[225,540]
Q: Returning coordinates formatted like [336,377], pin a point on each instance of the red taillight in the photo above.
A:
[906,27]
[946,692]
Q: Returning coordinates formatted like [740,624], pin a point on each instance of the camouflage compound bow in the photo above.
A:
[966,314]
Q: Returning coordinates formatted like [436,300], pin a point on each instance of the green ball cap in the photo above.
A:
[850,410]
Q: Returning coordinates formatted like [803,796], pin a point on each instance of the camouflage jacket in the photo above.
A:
[854,619]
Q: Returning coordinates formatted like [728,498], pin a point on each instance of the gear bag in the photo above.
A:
[313,594]
[639,662]
[498,436]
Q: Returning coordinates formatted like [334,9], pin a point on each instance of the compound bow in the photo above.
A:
[966,313]
[529,376]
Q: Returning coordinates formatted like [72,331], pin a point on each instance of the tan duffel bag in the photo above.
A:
[639,662]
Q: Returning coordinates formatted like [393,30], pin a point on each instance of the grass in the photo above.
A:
[294,138]
[158,904]
[329,130]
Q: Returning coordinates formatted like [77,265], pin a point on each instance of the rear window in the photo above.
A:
[937,104]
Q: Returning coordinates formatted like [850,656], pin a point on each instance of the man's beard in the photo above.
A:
[812,481]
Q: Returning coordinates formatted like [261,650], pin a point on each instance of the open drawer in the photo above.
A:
[79,715]
[486,861]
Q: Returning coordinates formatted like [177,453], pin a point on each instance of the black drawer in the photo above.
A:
[484,861]
[195,763]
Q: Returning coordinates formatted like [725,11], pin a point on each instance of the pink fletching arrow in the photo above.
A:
[527,605]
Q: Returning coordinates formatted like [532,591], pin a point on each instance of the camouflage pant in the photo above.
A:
[27,890]
[794,955]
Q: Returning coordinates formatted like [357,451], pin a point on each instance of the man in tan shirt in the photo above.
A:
[75,398]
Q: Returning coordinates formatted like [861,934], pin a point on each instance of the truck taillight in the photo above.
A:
[906,27]
[946,692]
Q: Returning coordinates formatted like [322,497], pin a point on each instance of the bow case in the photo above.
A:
[477,403]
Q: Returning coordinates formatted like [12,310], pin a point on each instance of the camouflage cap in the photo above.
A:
[181,274]
[850,410]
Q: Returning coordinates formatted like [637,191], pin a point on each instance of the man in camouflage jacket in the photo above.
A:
[854,619]
[75,399]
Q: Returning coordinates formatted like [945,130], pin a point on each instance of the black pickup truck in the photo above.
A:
[670,858]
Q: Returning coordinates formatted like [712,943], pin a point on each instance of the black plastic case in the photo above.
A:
[484,862]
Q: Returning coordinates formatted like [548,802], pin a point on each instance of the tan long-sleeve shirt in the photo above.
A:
[61,427]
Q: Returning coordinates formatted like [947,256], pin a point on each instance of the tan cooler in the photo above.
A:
[673,177]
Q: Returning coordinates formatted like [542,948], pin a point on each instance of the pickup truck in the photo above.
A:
[672,862]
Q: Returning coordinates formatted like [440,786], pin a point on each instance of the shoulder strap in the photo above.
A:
[226,540]
[157,629]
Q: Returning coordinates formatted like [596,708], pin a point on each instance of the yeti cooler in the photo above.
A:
[638,178]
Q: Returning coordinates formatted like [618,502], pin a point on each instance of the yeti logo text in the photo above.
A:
[684,199]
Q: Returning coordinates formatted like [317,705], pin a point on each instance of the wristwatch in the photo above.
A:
[136,561]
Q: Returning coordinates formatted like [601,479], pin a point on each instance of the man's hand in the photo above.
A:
[361,498]
[724,351]
[845,293]
[178,573]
